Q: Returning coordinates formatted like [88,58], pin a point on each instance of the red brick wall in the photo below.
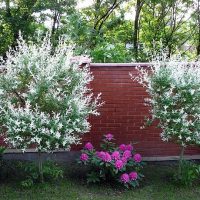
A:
[123,112]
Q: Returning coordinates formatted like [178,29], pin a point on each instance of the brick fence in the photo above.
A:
[124,111]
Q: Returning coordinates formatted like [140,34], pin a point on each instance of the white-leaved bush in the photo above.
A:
[173,86]
[45,99]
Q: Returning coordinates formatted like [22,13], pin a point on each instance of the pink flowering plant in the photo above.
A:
[119,163]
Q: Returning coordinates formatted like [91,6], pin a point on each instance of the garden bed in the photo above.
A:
[156,186]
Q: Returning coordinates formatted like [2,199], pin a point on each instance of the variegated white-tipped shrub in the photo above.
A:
[44,97]
[174,89]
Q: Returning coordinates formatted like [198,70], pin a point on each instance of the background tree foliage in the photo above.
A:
[107,30]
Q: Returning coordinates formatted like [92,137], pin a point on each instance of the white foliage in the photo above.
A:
[44,97]
[174,87]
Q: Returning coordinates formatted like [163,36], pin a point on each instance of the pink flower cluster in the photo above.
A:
[137,158]
[109,137]
[133,176]
[89,146]
[105,156]
[115,155]
[127,154]
[126,178]
[118,159]
[84,157]
[124,147]
[119,164]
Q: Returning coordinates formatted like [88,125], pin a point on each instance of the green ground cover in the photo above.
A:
[156,186]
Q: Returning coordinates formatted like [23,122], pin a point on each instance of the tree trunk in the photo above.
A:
[198,14]
[139,5]
[8,8]
[40,166]
[181,160]
[100,19]
[53,29]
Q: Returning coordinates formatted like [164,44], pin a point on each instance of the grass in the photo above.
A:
[157,186]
